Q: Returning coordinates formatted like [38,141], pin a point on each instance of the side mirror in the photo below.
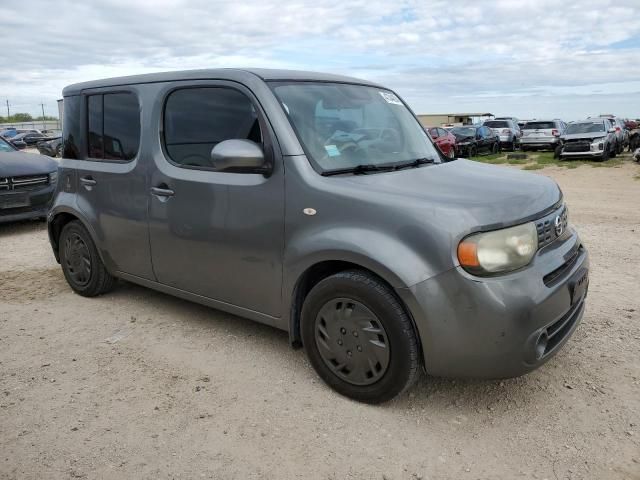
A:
[612,130]
[242,156]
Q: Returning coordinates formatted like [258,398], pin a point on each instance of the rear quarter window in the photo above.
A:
[71,127]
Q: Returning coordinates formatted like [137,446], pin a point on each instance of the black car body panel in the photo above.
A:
[27,183]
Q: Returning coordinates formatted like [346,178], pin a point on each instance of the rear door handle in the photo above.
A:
[88,181]
[162,192]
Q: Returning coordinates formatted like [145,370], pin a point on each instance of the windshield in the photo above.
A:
[344,126]
[496,124]
[585,127]
[464,131]
[539,125]
[5,147]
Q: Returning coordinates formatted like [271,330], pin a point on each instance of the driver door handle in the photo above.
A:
[88,181]
[162,191]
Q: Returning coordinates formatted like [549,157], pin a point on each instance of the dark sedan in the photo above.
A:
[30,138]
[51,148]
[474,139]
[27,183]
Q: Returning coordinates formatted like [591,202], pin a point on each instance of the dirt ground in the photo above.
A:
[137,384]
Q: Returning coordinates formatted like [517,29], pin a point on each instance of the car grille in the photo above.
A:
[549,228]
[30,182]
[577,147]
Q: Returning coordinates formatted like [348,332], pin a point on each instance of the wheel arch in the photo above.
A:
[316,272]
[57,221]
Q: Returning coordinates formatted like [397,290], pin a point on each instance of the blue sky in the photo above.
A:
[537,58]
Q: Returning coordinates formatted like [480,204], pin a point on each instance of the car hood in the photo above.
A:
[463,195]
[584,136]
[463,138]
[13,164]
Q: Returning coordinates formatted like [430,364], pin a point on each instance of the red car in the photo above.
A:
[445,141]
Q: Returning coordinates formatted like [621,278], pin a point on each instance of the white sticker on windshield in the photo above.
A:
[332,150]
[390,98]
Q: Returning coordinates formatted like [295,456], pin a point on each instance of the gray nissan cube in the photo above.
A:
[316,204]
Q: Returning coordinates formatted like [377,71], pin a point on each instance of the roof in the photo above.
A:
[236,74]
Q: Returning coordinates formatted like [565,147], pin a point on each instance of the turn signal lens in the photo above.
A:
[468,254]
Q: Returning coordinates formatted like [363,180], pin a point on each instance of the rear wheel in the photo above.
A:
[81,264]
[473,151]
[358,337]
[614,151]
[495,148]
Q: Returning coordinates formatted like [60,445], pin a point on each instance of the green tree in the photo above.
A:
[20,117]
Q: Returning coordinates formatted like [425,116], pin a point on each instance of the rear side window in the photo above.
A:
[197,119]
[113,126]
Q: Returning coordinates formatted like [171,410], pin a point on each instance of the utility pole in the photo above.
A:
[44,126]
[8,113]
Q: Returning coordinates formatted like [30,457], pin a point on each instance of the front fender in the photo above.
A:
[386,256]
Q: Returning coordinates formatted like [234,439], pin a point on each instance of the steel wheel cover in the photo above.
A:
[352,341]
[77,259]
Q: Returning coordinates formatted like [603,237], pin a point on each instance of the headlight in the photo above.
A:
[597,144]
[498,251]
[53,178]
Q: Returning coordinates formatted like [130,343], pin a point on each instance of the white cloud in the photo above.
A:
[440,55]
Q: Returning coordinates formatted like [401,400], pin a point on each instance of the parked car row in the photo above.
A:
[609,135]
[48,142]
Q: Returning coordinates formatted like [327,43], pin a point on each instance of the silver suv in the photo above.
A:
[542,134]
[591,138]
[507,130]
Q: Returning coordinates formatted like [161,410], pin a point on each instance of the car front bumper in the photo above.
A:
[503,326]
[596,154]
[24,205]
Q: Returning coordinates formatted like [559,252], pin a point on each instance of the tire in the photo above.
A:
[335,344]
[81,264]
[473,151]
[613,152]
[452,153]
[557,152]
[495,148]
[59,151]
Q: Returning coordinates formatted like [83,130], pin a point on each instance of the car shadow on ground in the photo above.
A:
[21,227]
[463,396]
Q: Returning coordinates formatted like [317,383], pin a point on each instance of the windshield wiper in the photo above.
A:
[364,168]
[371,167]
[414,163]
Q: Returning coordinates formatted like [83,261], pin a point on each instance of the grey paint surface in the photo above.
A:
[241,242]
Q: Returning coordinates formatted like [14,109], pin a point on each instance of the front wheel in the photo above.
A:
[495,148]
[358,337]
[81,264]
[473,151]
[451,155]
